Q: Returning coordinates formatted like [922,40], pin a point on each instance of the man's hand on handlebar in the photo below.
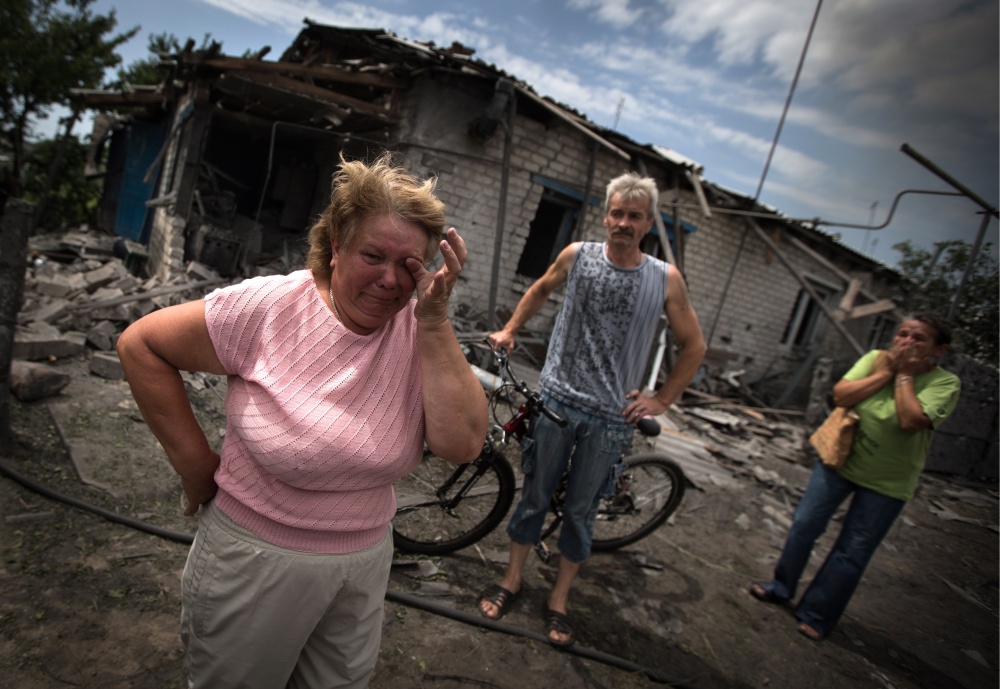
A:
[502,340]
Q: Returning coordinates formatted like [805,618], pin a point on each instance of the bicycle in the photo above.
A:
[442,508]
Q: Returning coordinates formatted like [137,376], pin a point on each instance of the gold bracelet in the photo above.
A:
[903,379]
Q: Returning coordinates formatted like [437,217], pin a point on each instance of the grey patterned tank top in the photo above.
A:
[604,331]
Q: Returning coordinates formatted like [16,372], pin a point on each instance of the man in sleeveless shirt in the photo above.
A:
[596,360]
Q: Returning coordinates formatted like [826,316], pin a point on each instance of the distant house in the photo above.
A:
[229,160]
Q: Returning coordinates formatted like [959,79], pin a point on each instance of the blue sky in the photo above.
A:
[709,78]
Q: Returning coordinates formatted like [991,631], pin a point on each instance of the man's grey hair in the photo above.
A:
[631,186]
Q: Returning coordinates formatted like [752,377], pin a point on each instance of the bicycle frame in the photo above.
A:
[496,440]
[445,508]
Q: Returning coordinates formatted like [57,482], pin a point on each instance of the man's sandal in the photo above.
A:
[498,596]
[558,622]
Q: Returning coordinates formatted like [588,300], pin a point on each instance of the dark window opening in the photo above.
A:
[548,234]
[807,322]
[651,245]
[882,331]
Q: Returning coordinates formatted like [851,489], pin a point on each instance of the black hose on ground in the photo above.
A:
[394,596]
[478,620]
[41,489]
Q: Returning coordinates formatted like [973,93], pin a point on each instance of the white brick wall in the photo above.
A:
[433,138]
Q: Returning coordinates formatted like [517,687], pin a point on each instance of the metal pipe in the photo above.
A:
[820,221]
[913,153]
[973,255]
[508,144]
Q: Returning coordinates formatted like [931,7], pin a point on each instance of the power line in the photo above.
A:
[788,100]
[618,112]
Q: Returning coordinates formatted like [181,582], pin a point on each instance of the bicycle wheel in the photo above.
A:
[424,522]
[652,488]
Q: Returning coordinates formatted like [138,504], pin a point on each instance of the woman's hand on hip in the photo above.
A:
[199,488]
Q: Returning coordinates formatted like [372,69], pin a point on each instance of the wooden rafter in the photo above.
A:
[323,73]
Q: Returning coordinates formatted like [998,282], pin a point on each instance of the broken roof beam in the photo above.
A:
[695,181]
[97,98]
[569,119]
[831,316]
[285,88]
[139,296]
[325,73]
[880,306]
[839,273]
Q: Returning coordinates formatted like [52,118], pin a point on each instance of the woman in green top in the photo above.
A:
[901,396]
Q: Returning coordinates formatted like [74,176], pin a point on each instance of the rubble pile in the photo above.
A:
[727,444]
[78,298]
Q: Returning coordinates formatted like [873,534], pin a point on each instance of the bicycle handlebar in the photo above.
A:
[559,420]
[535,402]
[646,425]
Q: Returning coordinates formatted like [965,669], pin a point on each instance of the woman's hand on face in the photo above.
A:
[895,356]
[884,362]
[912,362]
[434,289]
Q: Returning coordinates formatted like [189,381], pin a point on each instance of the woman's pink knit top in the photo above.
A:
[320,421]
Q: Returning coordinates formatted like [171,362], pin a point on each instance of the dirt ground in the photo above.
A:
[86,602]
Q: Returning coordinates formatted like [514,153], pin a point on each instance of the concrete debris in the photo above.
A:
[948,515]
[106,365]
[32,381]
[417,569]
[78,298]
[103,335]
[725,445]
[777,516]
[976,656]
[743,522]
[435,589]
[641,560]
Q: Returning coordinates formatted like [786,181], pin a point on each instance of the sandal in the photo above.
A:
[765,592]
[558,622]
[810,632]
[500,597]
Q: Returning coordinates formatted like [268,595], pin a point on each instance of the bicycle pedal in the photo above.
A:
[543,552]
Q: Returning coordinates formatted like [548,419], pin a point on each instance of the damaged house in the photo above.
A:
[229,159]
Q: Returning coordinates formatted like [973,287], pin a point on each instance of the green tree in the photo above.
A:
[931,279]
[147,71]
[71,198]
[150,71]
[48,47]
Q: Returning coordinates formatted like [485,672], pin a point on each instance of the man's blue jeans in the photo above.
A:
[594,444]
[867,522]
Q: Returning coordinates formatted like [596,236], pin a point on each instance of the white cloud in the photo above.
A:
[742,32]
[616,13]
[709,79]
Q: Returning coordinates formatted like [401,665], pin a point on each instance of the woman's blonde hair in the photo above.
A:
[361,191]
